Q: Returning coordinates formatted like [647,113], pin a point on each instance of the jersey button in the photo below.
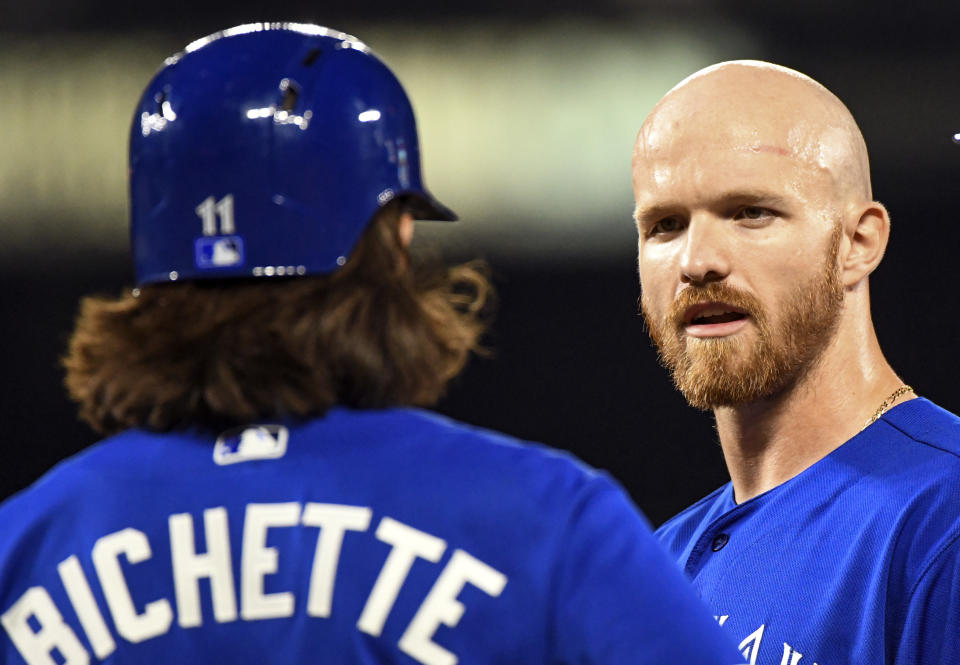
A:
[719,542]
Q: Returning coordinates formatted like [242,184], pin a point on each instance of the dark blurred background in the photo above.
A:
[527,111]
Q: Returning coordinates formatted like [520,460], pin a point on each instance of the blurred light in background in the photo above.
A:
[526,133]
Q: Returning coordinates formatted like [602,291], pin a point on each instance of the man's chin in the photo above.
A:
[714,356]
[708,396]
[720,380]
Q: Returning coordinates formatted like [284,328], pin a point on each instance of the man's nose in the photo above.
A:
[704,257]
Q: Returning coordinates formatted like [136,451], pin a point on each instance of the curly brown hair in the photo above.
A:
[381,331]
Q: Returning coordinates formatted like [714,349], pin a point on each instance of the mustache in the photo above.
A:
[712,292]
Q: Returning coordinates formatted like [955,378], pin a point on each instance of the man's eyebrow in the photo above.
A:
[758,197]
[751,197]
[653,213]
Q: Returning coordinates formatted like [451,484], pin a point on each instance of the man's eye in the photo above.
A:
[666,225]
[754,212]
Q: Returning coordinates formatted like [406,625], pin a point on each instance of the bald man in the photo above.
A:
[838,539]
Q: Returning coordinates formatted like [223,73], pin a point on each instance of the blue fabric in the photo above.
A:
[855,560]
[585,581]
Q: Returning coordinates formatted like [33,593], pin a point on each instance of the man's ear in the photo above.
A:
[866,241]
[406,229]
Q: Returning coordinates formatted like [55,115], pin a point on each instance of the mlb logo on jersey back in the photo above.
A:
[253,442]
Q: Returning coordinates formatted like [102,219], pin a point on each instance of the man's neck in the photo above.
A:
[770,441]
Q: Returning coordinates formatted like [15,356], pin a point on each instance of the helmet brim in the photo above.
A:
[424,206]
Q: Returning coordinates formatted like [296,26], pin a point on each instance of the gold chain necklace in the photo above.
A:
[887,403]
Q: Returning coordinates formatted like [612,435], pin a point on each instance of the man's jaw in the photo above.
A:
[714,319]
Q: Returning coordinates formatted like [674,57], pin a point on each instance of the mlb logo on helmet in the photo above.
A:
[219,252]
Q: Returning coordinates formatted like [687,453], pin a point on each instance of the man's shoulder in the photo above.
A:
[910,457]
[75,481]
[437,455]
[410,422]
[927,424]
[95,460]
[432,437]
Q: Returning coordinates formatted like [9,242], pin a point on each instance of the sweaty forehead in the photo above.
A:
[756,109]
[739,108]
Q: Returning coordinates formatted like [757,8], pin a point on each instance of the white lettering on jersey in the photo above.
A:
[36,647]
[722,619]
[189,567]
[38,629]
[157,615]
[442,606]
[334,521]
[790,655]
[751,645]
[409,544]
[81,597]
[258,560]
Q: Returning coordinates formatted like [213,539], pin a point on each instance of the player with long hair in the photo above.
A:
[270,490]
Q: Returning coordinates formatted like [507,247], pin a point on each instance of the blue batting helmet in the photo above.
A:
[265,150]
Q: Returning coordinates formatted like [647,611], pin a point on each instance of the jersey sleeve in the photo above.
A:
[619,599]
[931,630]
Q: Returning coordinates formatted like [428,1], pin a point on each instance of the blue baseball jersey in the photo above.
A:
[855,560]
[393,536]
